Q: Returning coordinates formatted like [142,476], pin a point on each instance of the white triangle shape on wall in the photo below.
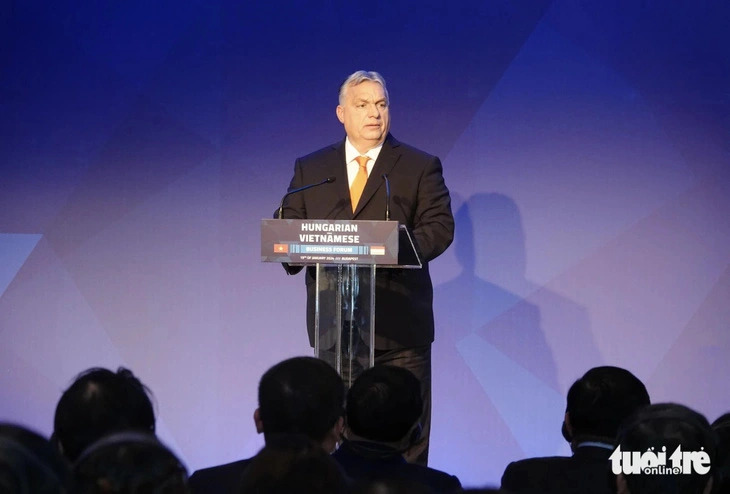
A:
[14,250]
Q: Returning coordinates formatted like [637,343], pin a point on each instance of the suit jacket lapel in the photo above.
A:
[383,165]
[341,187]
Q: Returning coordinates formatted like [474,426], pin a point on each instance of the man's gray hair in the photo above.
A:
[359,77]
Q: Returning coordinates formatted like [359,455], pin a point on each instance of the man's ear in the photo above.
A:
[340,428]
[567,429]
[338,431]
[55,442]
[257,421]
[334,437]
[340,114]
[621,487]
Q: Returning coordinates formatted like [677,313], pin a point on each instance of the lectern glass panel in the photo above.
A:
[344,324]
[345,255]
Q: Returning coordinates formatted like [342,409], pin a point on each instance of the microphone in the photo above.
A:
[387,197]
[280,211]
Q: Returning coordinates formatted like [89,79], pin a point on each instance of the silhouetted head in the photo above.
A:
[600,400]
[665,427]
[384,405]
[98,403]
[29,464]
[129,463]
[301,395]
[721,426]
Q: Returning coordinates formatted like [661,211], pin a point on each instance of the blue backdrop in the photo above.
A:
[586,146]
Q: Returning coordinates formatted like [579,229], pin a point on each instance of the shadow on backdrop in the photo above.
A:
[506,344]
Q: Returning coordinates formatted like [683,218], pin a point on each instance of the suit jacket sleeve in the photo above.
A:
[433,226]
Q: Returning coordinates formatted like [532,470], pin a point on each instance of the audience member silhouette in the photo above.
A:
[104,423]
[293,463]
[390,486]
[129,463]
[597,403]
[721,426]
[30,464]
[301,395]
[669,426]
[383,408]
[98,403]
[488,490]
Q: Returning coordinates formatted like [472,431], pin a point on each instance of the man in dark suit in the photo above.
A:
[419,200]
[301,395]
[597,404]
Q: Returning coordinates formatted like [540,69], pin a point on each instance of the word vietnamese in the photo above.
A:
[330,239]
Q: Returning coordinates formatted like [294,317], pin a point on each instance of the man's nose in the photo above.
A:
[374,111]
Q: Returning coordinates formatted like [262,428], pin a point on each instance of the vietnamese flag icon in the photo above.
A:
[281,248]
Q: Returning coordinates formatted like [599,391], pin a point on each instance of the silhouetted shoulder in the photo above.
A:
[218,479]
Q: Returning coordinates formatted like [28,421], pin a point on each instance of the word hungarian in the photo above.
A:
[655,463]
[329,227]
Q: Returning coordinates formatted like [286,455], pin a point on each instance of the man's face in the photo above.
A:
[365,115]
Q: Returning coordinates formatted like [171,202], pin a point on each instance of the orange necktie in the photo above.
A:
[358,185]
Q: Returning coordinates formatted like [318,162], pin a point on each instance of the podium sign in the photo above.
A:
[329,241]
[344,255]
